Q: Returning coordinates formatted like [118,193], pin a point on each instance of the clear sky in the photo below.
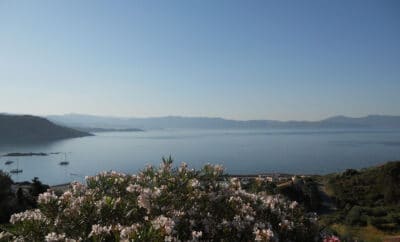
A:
[235,59]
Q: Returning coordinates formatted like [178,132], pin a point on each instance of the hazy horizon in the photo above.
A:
[182,116]
[239,60]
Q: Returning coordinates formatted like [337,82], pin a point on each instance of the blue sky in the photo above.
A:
[235,59]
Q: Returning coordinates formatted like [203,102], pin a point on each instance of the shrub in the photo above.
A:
[164,204]
[355,217]
[5,196]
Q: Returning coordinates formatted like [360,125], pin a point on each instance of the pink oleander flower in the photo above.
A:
[126,232]
[29,215]
[166,204]
[263,235]
[133,188]
[293,205]
[194,183]
[54,237]
[196,235]
[47,197]
[162,222]
[98,230]
[331,238]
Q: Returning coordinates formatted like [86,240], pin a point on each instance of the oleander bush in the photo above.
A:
[163,204]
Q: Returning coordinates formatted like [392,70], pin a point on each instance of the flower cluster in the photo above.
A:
[164,204]
[331,238]
[31,216]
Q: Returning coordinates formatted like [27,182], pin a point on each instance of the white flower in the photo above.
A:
[218,169]
[156,192]
[249,218]
[257,234]
[66,196]
[293,205]
[162,222]
[99,230]
[5,235]
[46,197]
[144,199]
[194,182]
[29,215]
[53,237]
[182,167]
[197,234]
[263,234]
[126,232]
[269,233]
[134,188]
[235,183]
[78,188]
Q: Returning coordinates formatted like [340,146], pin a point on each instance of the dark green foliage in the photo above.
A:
[22,198]
[356,217]
[370,196]
[391,183]
[371,187]
[255,186]
[305,191]
[5,196]
[38,187]
[350,172]
[5,185]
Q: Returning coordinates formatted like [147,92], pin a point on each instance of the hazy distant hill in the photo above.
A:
[26,128]
[79,120]
[91,130]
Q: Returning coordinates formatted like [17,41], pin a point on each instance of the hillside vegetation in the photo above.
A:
[27,128]
[356,205]
[365,199]
[172,204]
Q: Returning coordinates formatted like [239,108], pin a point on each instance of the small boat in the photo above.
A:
[14,171]
[9,162]
[64,162]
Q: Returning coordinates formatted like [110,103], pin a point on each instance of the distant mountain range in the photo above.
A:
[27,128]
[101,122]
[90,130]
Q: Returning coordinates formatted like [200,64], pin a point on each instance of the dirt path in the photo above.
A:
[392,239]
[328,205]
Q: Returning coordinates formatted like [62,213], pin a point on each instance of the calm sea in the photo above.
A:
[240,151]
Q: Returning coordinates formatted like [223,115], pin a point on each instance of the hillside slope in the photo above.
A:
[367,203]
[27,128]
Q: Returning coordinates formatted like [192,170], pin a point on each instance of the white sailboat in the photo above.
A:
[64,162]
[16,171]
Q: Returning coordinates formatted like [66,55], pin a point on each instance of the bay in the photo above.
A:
[239,151]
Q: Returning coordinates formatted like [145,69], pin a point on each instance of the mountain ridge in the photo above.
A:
[340,121]
[29,128]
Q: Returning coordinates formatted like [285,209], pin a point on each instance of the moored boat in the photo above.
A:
[64,162]
[15,171]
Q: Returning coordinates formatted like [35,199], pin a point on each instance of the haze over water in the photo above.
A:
[240,151]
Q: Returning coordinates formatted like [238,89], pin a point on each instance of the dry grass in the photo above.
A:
[367,234]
